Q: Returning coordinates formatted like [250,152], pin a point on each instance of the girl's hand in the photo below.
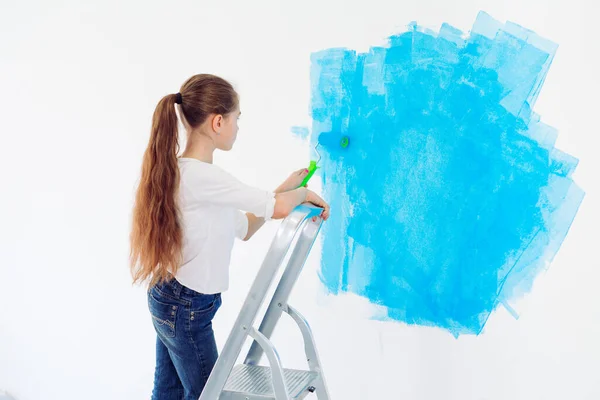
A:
[293,181]
[313,198]
[285,202]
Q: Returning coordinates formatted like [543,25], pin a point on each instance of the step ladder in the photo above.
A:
[249,380]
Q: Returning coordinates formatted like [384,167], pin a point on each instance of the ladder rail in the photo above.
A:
[279,247]
[279,386]
[286,283]
[310,349]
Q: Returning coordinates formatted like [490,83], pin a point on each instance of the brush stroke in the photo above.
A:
[451,197]
[300,132]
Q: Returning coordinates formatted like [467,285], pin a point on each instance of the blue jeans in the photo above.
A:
[186,351]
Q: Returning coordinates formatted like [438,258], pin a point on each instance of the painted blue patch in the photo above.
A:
[300,131]
[451,197]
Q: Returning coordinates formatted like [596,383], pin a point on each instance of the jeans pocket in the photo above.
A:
[206,303]
[163,314]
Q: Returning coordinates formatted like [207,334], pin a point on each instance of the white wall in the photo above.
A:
[79,82]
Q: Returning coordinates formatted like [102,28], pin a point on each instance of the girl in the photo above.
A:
[187,214]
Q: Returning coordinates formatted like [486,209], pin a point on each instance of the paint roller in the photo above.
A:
[312,167]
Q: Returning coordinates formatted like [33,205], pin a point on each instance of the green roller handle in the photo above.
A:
[344,142]
[311,170]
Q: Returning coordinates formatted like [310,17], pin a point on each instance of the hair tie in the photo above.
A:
[178,98]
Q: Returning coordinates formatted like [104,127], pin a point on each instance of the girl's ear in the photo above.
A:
[217,123]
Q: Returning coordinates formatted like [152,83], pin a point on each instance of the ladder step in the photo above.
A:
[254,382]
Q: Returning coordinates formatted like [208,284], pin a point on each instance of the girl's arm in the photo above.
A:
[284,204]
[254,224]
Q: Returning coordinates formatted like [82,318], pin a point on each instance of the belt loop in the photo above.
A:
[176,286]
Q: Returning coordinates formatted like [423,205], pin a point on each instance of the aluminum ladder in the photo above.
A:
[249,380]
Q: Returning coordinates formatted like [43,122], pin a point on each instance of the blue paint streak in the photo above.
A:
[451,197]
[300,132]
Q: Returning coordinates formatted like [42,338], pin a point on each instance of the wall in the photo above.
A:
[80,83]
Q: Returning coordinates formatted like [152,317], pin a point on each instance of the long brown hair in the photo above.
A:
[156,236]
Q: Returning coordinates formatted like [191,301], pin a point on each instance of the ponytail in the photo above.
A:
[156,236]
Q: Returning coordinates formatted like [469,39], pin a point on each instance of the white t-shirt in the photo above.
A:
[213,205]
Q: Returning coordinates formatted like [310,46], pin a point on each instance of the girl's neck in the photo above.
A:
[201,148]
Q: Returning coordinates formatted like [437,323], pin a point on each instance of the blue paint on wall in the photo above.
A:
[300,132]
[451,197]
